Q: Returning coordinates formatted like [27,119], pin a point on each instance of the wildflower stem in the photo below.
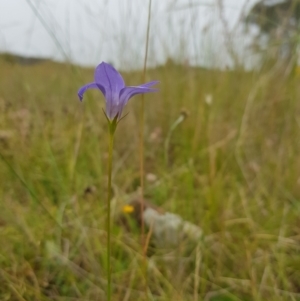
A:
[108,228]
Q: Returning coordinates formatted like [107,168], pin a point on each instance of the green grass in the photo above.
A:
[234,170]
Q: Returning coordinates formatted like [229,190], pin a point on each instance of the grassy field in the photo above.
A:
[231,167]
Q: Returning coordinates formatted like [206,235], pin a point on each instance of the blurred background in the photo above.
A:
[221,148]
[85,32]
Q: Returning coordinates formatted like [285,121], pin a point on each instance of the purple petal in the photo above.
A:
[128,92]
[86,87]
[111,82]
[150,84]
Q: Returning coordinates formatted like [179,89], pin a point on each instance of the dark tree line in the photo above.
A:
[279,29]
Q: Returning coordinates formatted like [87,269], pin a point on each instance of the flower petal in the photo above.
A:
[110,81]
[150,84]
[128,92]
[86,87]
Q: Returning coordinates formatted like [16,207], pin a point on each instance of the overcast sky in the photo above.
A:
[88,32]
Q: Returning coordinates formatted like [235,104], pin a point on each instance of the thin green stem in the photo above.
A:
[108,223]
[167,141]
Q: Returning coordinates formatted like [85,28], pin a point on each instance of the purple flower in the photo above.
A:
[110,82]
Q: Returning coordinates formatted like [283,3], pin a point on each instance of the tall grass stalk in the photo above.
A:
[142,129]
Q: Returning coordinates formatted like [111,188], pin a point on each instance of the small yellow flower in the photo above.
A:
[128,209]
